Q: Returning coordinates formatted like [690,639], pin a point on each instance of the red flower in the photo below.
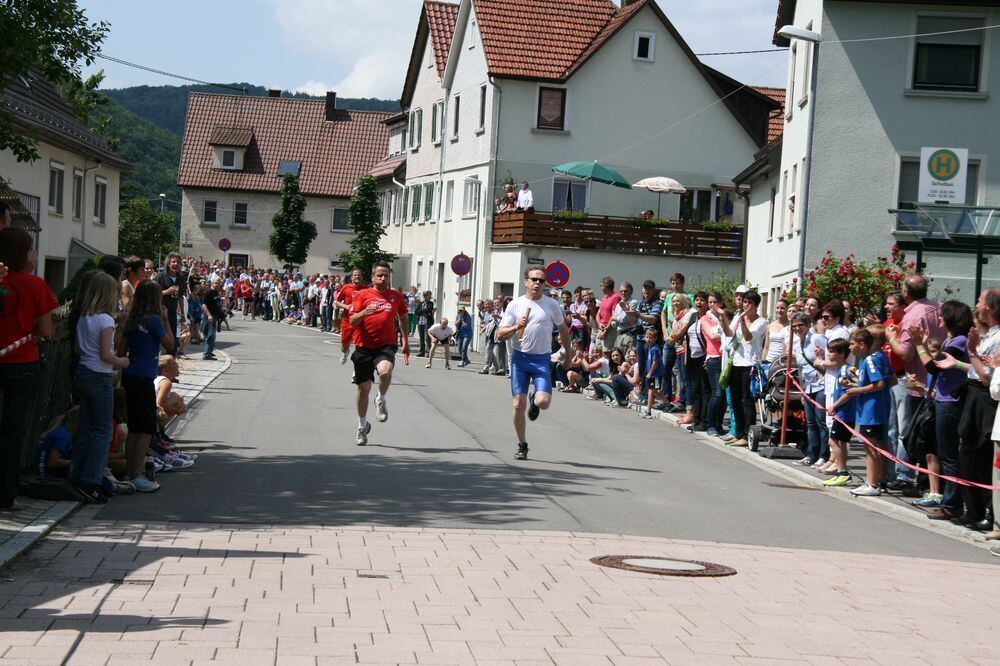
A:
[911,264]
[794,280]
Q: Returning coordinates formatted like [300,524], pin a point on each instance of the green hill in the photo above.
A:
[153,151]
[165,106]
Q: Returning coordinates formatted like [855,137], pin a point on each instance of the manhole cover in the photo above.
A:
[663,566]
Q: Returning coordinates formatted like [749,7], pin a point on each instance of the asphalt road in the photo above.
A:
[278,431]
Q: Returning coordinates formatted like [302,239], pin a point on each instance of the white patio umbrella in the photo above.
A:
[660,184]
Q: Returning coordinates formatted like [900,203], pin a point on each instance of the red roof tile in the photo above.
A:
[231,136]
[389,166]
[540,39]
[776,120]
[606,33]
[441,18]
[333,153]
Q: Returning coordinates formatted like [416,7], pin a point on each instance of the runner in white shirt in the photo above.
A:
[529,322]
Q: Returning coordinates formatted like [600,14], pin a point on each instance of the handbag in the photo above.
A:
[727,369]
[920,436]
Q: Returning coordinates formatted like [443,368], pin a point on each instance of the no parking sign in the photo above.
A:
[557,274]
[461,264]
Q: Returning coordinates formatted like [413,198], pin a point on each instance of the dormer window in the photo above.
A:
[645,46]
[230,145]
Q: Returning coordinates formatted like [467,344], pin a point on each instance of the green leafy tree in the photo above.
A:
[85,100]
[53,37]
[366,222]
[292,235]
[145,232]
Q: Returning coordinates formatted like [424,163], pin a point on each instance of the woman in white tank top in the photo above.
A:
[777,331]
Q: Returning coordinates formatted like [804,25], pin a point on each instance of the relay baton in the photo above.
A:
[520,333]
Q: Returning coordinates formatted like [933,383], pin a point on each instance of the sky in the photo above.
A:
[358,48]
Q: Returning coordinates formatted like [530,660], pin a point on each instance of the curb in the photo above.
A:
[36,530]
[806,480]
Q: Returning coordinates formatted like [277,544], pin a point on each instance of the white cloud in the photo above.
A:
[365,44]
[314,88]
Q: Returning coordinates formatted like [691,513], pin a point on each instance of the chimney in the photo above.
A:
[331,105]
[272,92]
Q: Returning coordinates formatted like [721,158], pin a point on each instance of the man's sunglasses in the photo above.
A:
[536,280]
[826,317]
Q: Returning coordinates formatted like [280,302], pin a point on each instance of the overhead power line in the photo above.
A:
[104,56]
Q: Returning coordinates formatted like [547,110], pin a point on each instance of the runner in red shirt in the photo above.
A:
[377,314]
[345,297]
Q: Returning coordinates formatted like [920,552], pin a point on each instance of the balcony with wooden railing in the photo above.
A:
[616,234]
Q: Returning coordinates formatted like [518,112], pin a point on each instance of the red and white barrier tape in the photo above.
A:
[883,452]
[17,344]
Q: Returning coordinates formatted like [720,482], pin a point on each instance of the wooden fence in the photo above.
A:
[614,234]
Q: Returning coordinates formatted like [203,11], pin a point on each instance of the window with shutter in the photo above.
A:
[428,200]
[948,53]
[909,183]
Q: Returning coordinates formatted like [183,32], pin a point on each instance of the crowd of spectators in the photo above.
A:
[915,380]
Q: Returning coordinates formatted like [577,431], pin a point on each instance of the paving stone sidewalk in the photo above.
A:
[34,518]
[109,593]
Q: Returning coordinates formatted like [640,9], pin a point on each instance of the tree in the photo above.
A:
[52,37]
[366,222]
[85,100]
[145,232]
[292,235]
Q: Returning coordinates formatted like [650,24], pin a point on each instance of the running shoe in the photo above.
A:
[929,499]
[533,411]
[866,490]
[712,432]
[343,357]
[381,409]
[646,414]
[841,479]
[728,437]
[819,463]
[363,434]
[805,462]
[144,485]
[522,451]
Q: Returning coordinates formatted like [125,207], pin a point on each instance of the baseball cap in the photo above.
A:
[742,289]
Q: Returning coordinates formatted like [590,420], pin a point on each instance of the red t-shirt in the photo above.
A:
[378,330]
[895,360]
[23,298]
[346,296]
[607,308]
[246,290]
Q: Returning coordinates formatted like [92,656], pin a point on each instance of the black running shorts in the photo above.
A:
[839,432]
[366,360]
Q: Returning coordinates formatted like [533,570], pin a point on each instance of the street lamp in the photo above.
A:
[163,197]
[814,38]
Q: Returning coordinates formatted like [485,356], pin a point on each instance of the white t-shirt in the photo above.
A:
[748,352]
[544,316]
[88,338]
[695,348]
[838,332]
[441,333]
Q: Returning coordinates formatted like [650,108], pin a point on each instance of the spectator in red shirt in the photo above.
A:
[26,306]
[377,314]
[606,333]
[342,301]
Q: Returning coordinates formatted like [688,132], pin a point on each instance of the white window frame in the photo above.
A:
[204,212]
[222,159]
[449,201]
[436,124]
[482,109]
[78,185]
[784,204]
[416,200]
[470,204]
[456,112]
[640,34]
[569,183]
[806,68]
[470,38]
[793,214]
[772,206]
[333,220]
[416,128]
[57,171]
[246,224]
[793,64]
[100,200]
[427,213]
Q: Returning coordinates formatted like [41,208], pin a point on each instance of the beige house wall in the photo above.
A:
[200,239]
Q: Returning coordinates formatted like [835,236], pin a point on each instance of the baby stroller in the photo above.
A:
[770,402]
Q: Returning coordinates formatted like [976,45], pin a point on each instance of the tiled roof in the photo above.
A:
[38,109]
[441,17]
[389,166]
[231,136]
[333,153]
[776,120]
[540,39]
[606,33]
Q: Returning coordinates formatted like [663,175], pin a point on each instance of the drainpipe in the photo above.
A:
[83,200]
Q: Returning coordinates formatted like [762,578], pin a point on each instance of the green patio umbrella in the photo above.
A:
[591,171]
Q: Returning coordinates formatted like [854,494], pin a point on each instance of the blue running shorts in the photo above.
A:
[530,368]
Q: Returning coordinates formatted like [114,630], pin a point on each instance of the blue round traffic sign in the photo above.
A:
[557,274]
[461,264]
